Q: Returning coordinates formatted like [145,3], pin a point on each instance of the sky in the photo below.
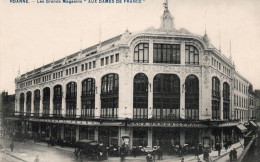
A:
[32,35]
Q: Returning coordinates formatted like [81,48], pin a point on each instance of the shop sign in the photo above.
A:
[166,124]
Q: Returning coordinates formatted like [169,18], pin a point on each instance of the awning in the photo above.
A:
[253,123]
[242,128]
[258,124]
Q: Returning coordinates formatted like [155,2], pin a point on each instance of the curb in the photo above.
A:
[219,157]
[13,156]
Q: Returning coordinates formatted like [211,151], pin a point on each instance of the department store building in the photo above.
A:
[158,86]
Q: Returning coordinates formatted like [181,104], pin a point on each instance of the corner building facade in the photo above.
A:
[159,86]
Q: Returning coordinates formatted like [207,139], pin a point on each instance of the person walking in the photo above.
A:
[12,146]
[234,154]
[218,148]
[159,153]
[231,155]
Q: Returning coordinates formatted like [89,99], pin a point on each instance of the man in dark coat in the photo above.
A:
[12,146]
[218,148]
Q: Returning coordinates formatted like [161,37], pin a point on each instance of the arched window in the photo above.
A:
[141,53]
[215,98]
[226,100]
[46,102]
[166,53]
[22,103]
[109,96]
[57,101]
[166,96]
[192,97]
[71,99]
[37,98]
[140,96]
[191,55]
[28,103]
[88,98]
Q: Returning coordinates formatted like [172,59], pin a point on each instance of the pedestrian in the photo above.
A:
[134,151]
[149,157]
[231,155]
[123,152]
[37,159]
[206,155]
[196,152]
[234,154]
[12,146]
[218,148]
[159,153]
[182,159]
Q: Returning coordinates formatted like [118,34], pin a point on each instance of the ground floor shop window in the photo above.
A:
[108,136]
[70,133]
[166,138]
[140,137]
[192,136]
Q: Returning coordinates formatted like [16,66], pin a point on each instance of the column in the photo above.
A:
[150,137]
[182,137]
[150,51]
[150,97]
[51,101]
[182,98]
[96,134]
[78,109]
[63,109]
[41,106]
[221,100]
[17,105]
[125,105]
[182,53]
[32,104]
[77,133]
[24,104]
[97,97]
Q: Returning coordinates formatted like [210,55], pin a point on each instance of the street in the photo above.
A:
[27,151]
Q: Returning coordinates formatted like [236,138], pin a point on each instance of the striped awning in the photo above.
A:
[242,128]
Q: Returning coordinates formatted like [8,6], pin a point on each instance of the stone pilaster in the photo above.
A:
[32,104]
[97,97]
[41,106]
[78,102]
[63,110]
[51,101]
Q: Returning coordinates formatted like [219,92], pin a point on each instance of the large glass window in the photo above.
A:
[166,53]
[57,101]
[226,100]
[166,96]
[28,103]
[140,96]
[215,98]
[109,96]
[71,99]
[37,98]
[88,98]
[141,53]
[46,102]
[192,97]
[191,55]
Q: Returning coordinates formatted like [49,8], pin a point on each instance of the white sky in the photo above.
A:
[33,34]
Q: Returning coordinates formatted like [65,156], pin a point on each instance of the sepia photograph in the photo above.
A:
[129,80]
